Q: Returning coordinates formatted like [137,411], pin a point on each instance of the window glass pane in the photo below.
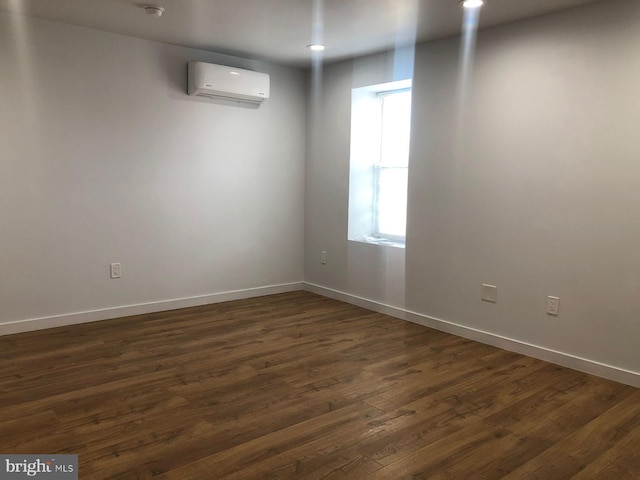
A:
[396,128]
[391,201]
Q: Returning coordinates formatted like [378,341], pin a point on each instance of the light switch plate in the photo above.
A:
[489,293]
[553,305]
[116,270]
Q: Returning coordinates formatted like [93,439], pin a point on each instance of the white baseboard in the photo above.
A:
[585,365]
[31,324]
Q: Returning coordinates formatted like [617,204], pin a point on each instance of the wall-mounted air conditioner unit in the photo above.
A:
[227,83]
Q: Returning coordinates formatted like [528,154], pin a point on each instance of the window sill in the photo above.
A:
[383,241]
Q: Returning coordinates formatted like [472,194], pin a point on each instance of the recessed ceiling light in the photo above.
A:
[315,47]
[472,3]
[154,11]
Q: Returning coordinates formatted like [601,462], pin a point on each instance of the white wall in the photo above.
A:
[104,158]
[538,194]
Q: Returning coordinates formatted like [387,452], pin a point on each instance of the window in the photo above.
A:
[391,168]
[380,134]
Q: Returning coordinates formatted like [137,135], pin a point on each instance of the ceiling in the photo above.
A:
[279,30]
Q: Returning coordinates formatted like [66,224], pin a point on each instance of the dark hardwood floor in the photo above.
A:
[301,386]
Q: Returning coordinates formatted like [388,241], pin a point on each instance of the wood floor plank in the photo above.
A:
[299,386]
[530,436]
[622,460]
[329,429]
[570,456]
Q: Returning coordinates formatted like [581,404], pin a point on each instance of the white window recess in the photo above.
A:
[378,176]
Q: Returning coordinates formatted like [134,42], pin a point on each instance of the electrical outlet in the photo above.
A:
[323,257]
[116,270]
[489,293]
[553,305]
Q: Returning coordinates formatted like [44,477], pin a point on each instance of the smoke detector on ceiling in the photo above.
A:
[154,11]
